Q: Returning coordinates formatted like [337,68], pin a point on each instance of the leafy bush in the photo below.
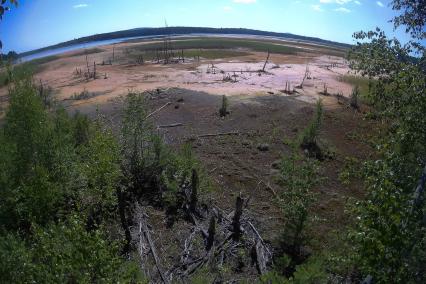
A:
[150,167]
[354,98]
[63,253]
[389,233]
[311,272]
[58,176]
[298,176]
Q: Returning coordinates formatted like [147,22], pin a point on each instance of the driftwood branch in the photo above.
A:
[219,134]
[157,110]
[144,233]
[170,125]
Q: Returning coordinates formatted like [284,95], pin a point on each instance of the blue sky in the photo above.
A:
[38,23]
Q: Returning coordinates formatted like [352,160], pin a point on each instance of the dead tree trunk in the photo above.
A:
[266,61]
[211,233]
[123,219]
[236,224]
[194,189]
[88,68]
[94,70]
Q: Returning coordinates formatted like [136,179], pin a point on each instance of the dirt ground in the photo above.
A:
[259,111]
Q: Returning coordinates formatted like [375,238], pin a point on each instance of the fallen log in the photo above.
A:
[258,251]
[170,125]
[219,134]
[144,231]
[157,110]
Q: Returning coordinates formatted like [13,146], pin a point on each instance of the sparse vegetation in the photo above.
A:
[309,137]
[23,70]
[354,99]
[365,85]
[221,43]
[83,95]
[87,52]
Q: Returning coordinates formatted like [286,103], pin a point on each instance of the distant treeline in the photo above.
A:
[140,32]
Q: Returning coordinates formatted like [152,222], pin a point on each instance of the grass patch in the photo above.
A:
[296,45]
[84,95]
[22,70]
[214,53]
[86,51]
[361,82]
[221,43]
[193,53]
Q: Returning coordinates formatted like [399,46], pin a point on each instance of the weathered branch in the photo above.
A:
[157,110]
[219,134]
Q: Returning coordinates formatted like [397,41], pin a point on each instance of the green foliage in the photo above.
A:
[63,253]
[100,165]
[413,17]
[58,176]
[389,235]
[32,156]
[298,176]
[351,170]
[150,167]
[355,98]
[19,72]
[310,134]
[5,7]
[365,85]
[311,272]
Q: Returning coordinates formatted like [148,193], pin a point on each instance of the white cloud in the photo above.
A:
[380,4]
[340,2]
[244,1]
[342,10]
[227,9]
[317,8]
[357,2]
[78,6]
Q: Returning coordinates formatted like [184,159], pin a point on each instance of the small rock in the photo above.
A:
[180,100]
[263,147]
[245,143]
[176,106]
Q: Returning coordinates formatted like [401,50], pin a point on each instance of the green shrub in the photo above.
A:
[311,272]
[58,178]
[298,176]
[63,253]
[355,98]
[310,133]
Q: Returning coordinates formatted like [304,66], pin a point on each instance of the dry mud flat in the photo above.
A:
[211,76]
